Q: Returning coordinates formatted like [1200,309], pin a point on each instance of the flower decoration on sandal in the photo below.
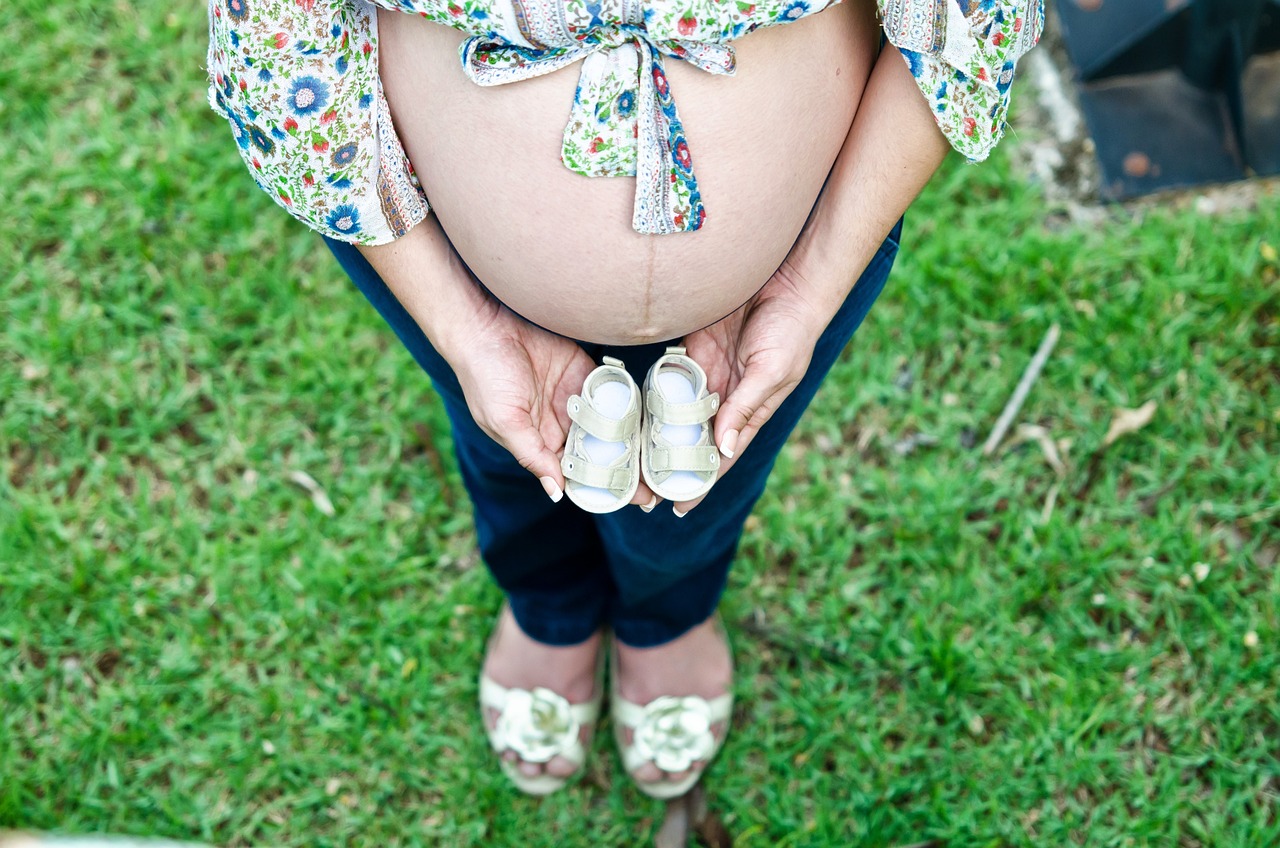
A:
[537,724]
[675,732]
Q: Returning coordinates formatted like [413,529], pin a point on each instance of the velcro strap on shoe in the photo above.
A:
[603,428]
[702,458]
[579,470]
[694,412]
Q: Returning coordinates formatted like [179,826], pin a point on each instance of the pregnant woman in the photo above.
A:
[522,187]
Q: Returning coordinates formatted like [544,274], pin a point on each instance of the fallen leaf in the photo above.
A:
[866,436]
[308,484]
[1126,421]
[1039,435]
[1050,500]
[32,371]
[713,833]
[688,815]
[908,444]
[905,378]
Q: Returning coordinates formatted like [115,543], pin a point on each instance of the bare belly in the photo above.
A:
[557,247]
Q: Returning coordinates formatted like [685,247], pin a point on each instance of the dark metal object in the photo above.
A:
[1177,92]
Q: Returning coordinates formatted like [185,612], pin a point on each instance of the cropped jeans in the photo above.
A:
[650,577]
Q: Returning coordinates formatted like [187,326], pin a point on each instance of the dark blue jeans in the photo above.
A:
[566,572]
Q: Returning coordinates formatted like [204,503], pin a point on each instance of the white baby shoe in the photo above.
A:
[601,462]
[678,455]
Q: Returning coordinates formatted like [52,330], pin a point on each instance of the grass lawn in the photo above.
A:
[932,645]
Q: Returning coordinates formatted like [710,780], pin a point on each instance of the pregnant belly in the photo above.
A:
[558,247]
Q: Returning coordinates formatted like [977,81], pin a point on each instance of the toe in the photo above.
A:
[560,767]
[648,773]
[530,769]
[510,756]
[675,776]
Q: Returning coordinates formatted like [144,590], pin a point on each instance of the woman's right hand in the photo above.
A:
[516,377]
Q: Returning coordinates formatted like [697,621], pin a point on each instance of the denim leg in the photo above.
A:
[548,558]
[670,572]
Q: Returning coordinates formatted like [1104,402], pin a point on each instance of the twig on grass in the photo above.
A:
[308,484]
[1020,392]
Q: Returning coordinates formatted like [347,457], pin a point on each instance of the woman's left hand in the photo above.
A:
[755,357]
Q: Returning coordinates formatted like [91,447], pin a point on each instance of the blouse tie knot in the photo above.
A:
[624,121]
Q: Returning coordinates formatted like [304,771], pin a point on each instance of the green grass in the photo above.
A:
[943,658]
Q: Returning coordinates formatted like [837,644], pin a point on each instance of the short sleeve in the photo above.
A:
[297,80]
[962,54]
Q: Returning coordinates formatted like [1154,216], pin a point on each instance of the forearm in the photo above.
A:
[892,149]
[430,280]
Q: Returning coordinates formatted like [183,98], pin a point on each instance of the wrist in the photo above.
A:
[455,310]
[434,286]
[811,299]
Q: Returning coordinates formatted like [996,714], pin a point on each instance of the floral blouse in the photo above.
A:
[298,82]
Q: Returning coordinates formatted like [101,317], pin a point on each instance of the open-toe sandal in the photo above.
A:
[601,462]
[671,732]
[679,457]
[539,725]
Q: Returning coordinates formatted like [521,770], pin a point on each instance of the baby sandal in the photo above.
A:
[601,462]
[679,458]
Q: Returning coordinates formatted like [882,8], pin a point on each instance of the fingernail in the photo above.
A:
[650,505]
[678,513]
[729,443]
[553,491]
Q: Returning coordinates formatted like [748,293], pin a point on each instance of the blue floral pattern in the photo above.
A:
[308,95]
[964,67]
[344,219]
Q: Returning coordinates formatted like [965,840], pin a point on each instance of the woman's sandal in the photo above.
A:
[601,462]
[539,725]
[678,456]
[671,732]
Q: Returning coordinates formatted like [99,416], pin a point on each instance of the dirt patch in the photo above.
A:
[1052,147]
